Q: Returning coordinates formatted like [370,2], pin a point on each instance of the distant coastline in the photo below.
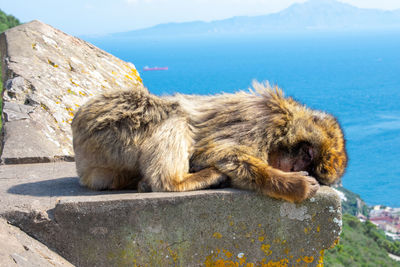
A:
[299,17]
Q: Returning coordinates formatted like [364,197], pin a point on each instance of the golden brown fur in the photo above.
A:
[259,140]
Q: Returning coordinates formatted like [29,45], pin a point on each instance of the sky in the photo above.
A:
[98,17]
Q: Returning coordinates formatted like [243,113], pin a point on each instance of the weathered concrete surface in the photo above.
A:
[200,228]
[47,75]
[19,249]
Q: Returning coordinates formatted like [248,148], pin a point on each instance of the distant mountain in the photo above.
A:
[314,15]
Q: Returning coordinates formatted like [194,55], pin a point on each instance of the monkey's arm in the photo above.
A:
[249,172]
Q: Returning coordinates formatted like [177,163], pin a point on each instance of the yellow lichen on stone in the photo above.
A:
[174,255]
[335,243]
[321,259]
[227,253]
[308,259]
[52,63]
[74,83]
[261,238]
[43,106]
[266,249]
[217,235]
[242,260]
[271,263]
[215,260]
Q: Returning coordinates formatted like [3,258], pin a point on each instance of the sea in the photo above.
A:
[353,75]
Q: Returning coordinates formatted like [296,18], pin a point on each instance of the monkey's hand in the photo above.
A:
[291,186]
[248,172]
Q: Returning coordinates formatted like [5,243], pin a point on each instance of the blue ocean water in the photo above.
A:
[355,76]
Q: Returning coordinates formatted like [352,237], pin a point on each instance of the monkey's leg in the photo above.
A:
[97,178]
[164,160]
[248,172]
[191,181]
[200,180]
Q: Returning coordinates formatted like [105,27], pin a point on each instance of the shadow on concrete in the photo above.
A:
[66,186]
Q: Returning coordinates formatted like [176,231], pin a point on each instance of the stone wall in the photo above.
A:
[47,75]
[201,228]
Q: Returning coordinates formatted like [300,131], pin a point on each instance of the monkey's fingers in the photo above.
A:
[303,173]
[314,186]
[293,186]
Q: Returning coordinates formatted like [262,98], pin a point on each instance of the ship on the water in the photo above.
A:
[147,68]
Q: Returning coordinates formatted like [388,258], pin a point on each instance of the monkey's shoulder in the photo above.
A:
[133,108]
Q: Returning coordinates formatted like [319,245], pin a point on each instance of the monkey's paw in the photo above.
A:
[296,186]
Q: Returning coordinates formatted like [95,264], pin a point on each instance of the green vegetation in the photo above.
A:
[1,97]
[354,205]
[360,245]
[7,21]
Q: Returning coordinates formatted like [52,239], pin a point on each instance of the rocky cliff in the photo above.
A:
[47,75]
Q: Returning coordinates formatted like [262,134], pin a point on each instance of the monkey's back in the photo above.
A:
[110,127]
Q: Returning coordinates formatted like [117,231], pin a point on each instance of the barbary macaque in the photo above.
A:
[258,140]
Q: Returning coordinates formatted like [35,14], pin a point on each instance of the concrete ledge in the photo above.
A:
[209,227]
[19,249]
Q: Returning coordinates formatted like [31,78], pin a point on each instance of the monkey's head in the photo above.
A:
[302,139]
[330,160]
[313,142]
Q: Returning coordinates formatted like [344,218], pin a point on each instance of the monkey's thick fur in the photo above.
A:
[258,140]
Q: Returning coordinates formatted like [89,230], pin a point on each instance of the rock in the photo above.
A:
[14,111]
[19,249]
[223,227]
[47,75]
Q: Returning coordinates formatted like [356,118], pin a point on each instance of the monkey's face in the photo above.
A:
[293,159]
[327,166]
